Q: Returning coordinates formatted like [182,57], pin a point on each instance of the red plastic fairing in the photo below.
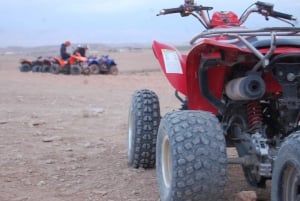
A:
[60,61]
[77,57]
[173,64]
[216,75]
[224,18]
[23,61]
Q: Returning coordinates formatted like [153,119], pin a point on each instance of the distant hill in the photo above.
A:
[94,49]
[53,50]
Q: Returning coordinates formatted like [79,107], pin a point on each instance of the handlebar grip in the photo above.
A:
[171,10]
[282,15]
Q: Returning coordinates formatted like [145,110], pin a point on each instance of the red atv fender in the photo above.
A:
[178,67]
[173,64]
[77,58]
[25,61]
[60,61]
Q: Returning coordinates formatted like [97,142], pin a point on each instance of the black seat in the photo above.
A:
[280,42]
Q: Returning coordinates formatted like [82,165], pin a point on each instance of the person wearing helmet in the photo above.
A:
[63,50]
[81,50]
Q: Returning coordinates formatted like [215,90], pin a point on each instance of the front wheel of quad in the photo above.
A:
[94,69]
[36,68]
[86,71]
[191,157]
[55,69]
[45,68]
[25,67]
[286,171]
[75,70]
[143,122]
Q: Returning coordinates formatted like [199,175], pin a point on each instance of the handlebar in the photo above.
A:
[171,11]
[268,7]
[183,9]
[263,8]
[282,15]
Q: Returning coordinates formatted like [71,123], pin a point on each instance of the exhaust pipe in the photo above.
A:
[250,87]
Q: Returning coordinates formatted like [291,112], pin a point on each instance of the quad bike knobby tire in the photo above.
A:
[103,68]
[75,70]
[191,162]
[94,69]
[86,71]
[45,68]
[55,69]
[286,171]
[25,67]
[144,117]
[36,68]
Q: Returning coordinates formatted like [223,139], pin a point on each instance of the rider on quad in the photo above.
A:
[63,50]
[81,50]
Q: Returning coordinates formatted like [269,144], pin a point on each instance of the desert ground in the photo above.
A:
[64,138]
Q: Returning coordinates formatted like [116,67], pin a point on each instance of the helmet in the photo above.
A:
[67,43]
[189,2]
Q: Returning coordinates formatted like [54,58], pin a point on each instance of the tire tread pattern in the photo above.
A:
[147,115]
[199,160]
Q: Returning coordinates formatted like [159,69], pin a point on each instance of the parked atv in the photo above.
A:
[103,65]
[39,65]
[26,65]
[46,64]
[94,65]
[240,88]
[74,66]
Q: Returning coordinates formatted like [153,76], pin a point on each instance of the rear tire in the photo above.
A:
[286,171]
[191,157]
[103,68]
[94,69]
[45,68]
[25,67]
[36,68]
[55,69]
[75,70]
[144,117]
[86,71]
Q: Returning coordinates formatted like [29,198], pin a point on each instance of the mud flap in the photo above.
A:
[173,64]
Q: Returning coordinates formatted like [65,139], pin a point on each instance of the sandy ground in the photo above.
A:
[64,138]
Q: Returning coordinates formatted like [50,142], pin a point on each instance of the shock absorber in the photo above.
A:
[254,111]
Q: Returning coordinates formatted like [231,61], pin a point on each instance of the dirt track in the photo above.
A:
[64,138]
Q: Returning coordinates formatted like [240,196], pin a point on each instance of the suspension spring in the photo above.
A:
[255,118]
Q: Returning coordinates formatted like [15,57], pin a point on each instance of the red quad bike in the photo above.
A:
[39,65]
[74,66]
[241,89]
[26,65]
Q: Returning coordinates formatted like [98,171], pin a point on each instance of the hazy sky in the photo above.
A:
[50,22]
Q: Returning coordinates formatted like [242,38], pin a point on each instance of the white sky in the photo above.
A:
[50,22]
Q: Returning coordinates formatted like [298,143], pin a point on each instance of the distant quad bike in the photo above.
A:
[76,65]
[240,90]
[46,65]
[26,65]
[103,65]
[39,65]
